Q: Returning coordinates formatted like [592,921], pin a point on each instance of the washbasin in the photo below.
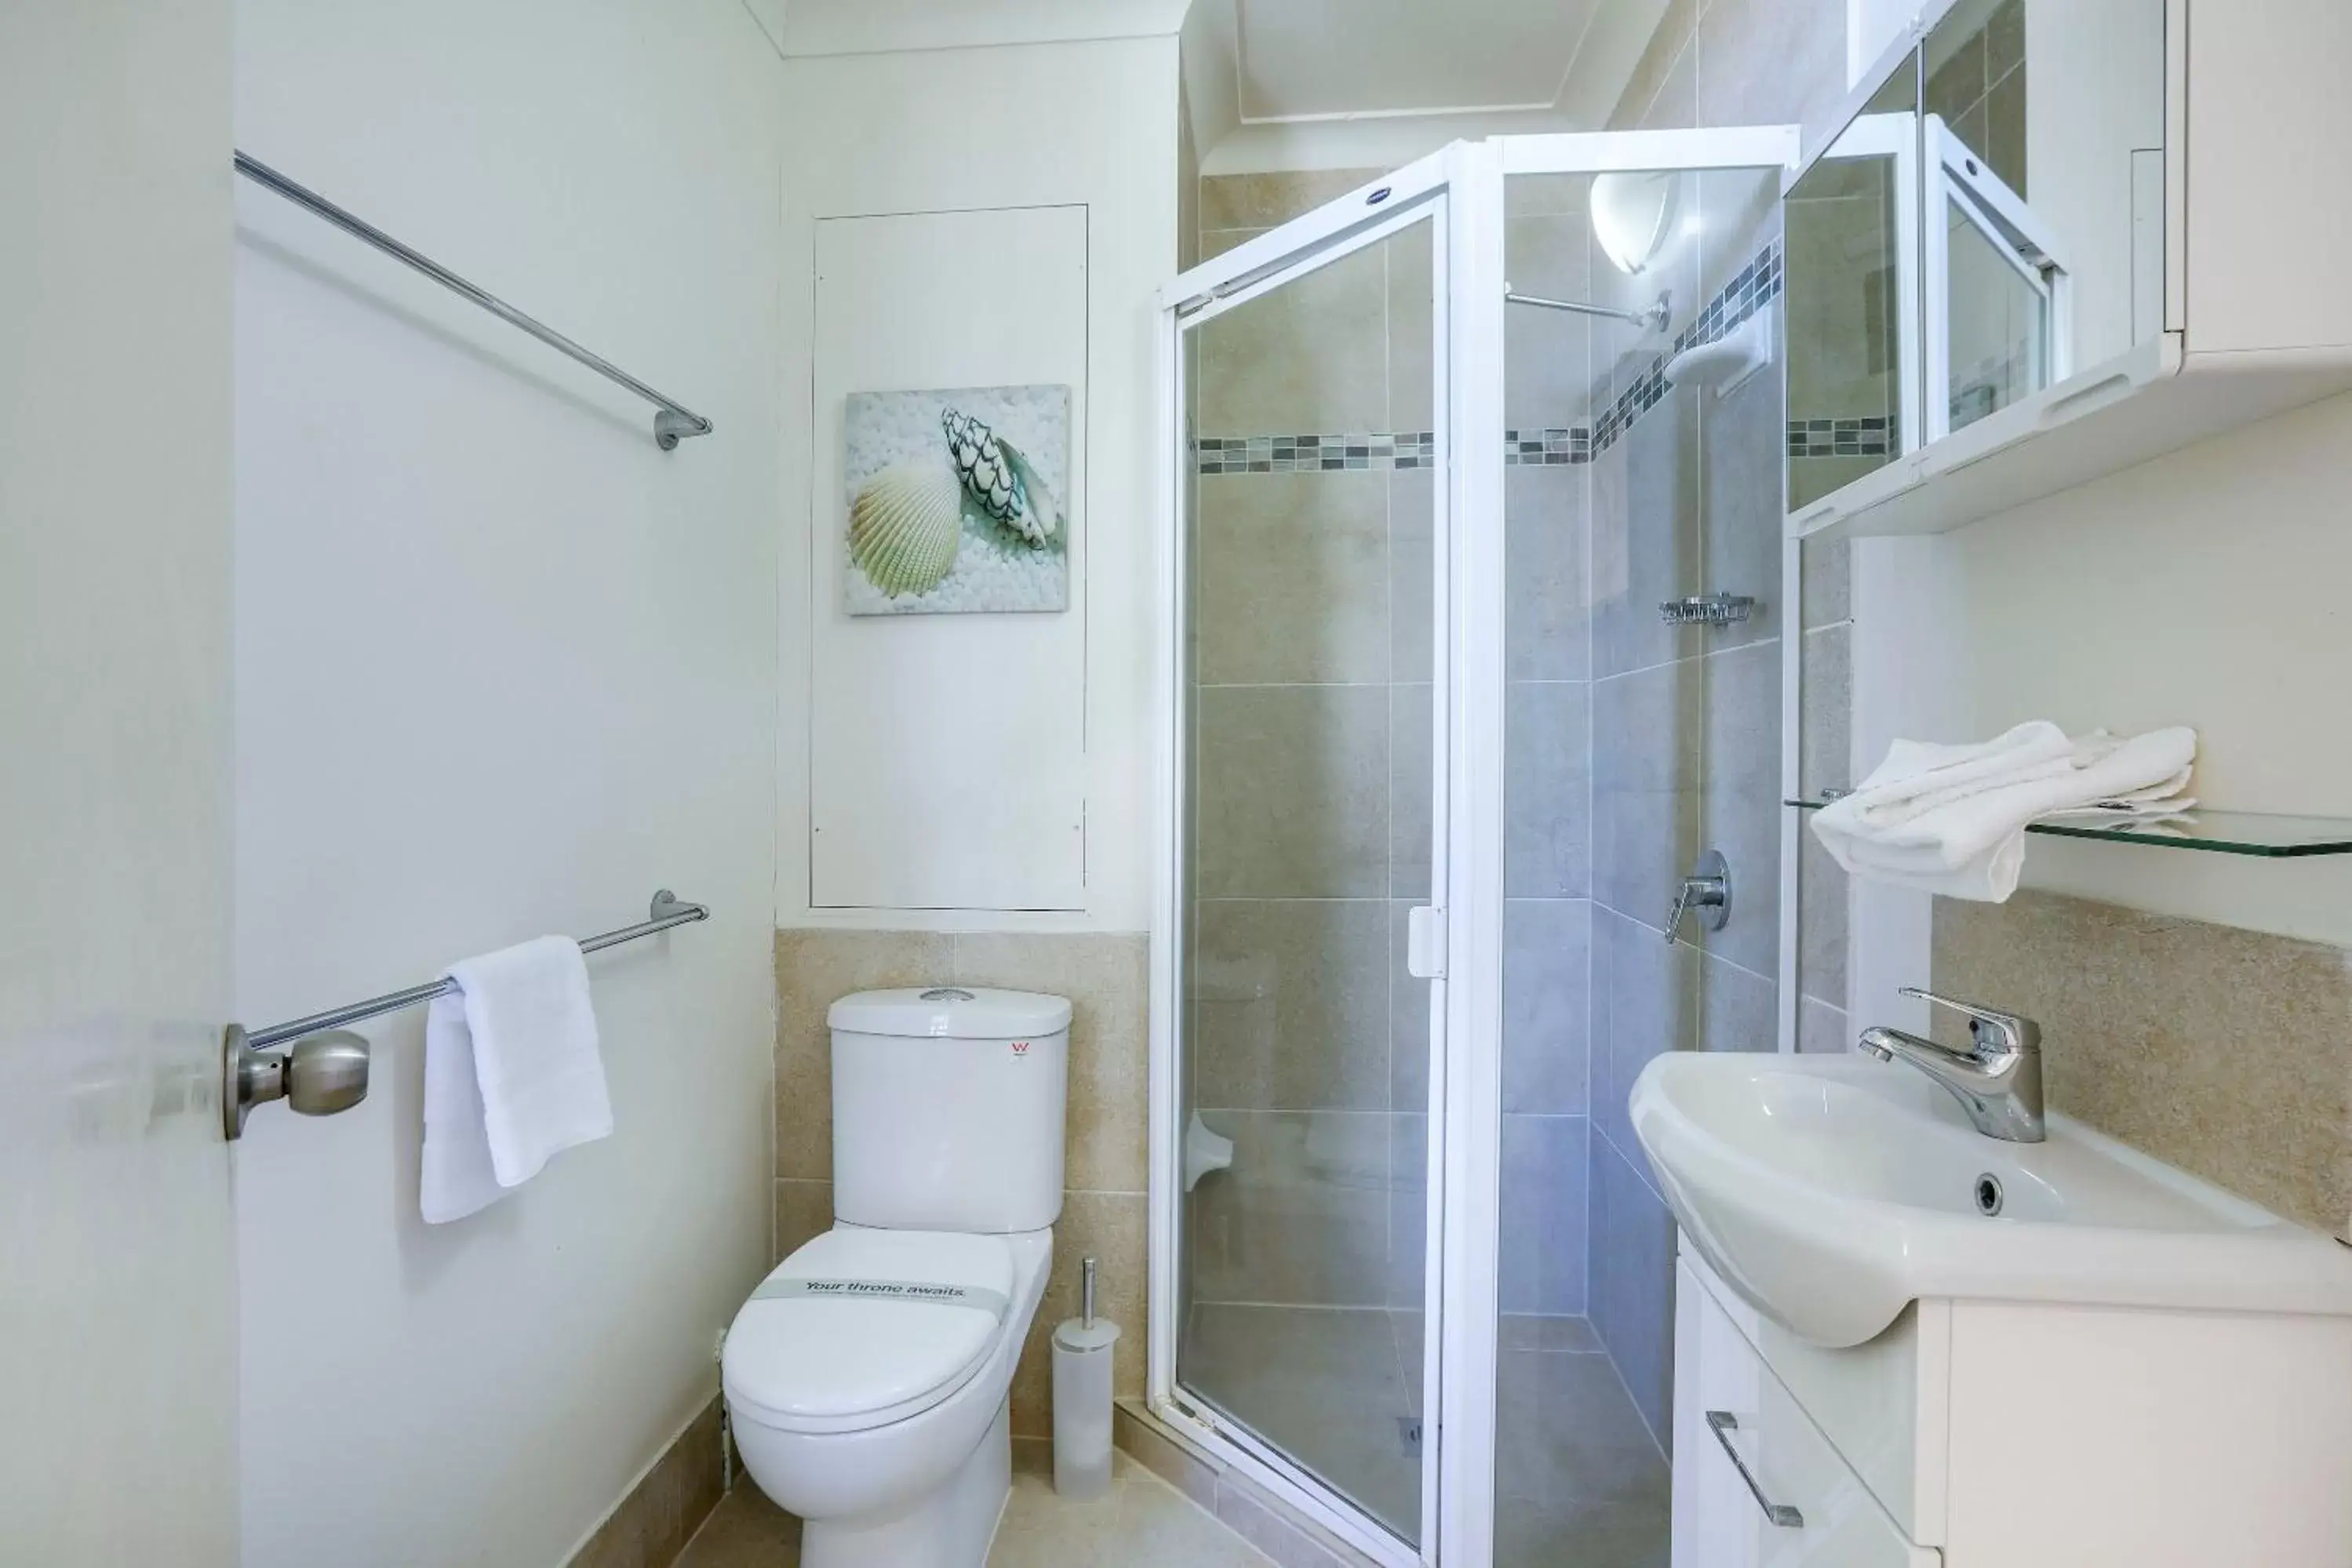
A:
[1831,1192]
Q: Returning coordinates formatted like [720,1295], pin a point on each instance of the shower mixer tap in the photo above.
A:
[1706,890]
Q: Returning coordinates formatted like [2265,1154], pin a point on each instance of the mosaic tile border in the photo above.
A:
[1753,287]
[1867,436]
[1382,449]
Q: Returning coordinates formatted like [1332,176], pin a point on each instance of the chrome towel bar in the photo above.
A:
[674,420]
[667,911]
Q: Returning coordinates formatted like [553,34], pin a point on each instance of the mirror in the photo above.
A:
[1851,280]
[2042,158]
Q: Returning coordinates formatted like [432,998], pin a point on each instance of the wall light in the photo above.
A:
[1630,216]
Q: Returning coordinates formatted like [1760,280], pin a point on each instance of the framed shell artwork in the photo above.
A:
[958,501]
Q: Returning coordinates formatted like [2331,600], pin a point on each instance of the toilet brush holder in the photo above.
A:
[1083,1350]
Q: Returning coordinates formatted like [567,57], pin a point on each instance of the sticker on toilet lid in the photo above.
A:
[992,1302]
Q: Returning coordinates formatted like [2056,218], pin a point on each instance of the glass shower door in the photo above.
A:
[1308,663]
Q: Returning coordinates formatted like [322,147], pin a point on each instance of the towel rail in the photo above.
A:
[667,911]
[674,420]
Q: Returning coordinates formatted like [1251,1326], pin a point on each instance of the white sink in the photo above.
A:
[1832,1191]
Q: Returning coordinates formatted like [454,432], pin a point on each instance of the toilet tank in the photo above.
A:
[947,1108]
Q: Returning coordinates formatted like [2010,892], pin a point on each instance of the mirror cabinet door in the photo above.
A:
[2041,167]
[1853,310]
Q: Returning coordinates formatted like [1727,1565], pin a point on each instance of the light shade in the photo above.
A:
[1631,215]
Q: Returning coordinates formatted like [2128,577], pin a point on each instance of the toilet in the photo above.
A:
[868,1378]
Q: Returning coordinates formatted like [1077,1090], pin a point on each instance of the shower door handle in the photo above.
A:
[1424,943]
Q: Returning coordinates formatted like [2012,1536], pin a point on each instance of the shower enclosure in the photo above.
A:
[1475,579]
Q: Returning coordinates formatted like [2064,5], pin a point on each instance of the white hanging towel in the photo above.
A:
[1951,820]
[512,1074]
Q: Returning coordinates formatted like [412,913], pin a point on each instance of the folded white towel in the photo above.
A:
[511,1074]
[1952,819]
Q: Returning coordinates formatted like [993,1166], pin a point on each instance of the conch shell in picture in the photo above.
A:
[905,524]
[1000,480]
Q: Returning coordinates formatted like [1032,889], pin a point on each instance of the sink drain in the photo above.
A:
[1988,1194]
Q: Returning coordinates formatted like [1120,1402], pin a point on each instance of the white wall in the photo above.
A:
[1058,124]
[118,1327]
[2202,588]
[503,667]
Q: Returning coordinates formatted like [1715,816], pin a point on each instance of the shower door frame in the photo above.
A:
[1427,191]
[1464,184]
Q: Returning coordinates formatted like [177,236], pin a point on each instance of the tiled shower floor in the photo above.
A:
[1580,1484]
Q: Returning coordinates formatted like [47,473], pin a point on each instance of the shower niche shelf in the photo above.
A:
[2261,834]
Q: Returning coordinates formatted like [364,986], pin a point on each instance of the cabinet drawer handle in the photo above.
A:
[1719,1422]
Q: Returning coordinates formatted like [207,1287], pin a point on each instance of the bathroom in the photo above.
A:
[1343,796]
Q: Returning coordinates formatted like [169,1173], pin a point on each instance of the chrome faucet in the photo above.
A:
[1998,1083]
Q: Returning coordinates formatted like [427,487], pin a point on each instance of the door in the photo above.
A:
[118,1322]
[1298,927]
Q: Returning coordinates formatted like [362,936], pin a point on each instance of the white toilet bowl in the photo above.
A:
[868,1382]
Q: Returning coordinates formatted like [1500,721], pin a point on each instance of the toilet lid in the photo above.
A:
[863,1327]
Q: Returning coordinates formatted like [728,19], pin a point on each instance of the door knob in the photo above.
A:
[327,1073]
[323,1073]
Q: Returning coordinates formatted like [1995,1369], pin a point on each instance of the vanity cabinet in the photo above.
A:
[2059,237]
[2010,1435]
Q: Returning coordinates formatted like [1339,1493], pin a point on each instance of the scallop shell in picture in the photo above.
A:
[905,524]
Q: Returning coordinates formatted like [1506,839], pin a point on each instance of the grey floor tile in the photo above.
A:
[1567,1429]
[1324,1387]
[1551,1335]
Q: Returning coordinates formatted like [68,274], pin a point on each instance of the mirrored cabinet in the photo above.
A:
[2054,238]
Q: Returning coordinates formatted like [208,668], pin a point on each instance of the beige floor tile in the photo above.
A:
[1042,1530]
[1158,1527]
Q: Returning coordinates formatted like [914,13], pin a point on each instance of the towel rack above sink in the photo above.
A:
[326,1069]
[2262,835]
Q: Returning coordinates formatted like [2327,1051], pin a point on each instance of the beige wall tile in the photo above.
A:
[1668,49]
[1112,1228]
[1300,359]
[1291,578]
[2226,1052]
[804,1212]
[1293,1008]
[1214,243]
[1107,978]
[1293,792]
[1768,62]
[651,1525]
[1262,201]
[1413,342]
[1301,1217]
[814,969]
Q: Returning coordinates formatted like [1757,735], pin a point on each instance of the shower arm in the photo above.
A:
[1654,318]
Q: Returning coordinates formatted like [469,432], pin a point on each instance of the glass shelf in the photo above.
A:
[2257,833]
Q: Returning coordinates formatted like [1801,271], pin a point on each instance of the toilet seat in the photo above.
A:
[861,1328]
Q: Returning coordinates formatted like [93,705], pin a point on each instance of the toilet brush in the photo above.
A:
[1082,1387]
